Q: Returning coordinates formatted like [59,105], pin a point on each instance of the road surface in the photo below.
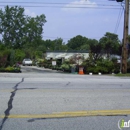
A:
[44,100]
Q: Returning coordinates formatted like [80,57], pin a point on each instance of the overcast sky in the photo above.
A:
[68,18]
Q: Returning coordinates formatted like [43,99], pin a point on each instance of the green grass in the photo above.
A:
[126,75]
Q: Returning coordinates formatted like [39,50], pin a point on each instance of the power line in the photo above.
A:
[63,7]
[48,3]
[54,37]
[118,20]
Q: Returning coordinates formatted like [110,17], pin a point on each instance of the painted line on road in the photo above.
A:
[74,114]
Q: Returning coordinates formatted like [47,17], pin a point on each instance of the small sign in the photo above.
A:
[54,63]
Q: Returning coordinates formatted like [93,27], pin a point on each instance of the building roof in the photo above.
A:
[68,51]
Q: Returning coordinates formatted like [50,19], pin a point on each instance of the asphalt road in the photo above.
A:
[49,100]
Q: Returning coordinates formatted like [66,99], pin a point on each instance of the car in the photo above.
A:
[27,61]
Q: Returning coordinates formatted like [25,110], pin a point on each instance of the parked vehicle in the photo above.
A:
[27,62]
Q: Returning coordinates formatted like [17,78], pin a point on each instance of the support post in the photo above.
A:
[125,38]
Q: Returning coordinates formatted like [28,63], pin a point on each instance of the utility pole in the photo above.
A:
[125,39]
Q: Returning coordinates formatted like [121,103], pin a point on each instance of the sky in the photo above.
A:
[69,18]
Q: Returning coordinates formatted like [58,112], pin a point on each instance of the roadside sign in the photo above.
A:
[53,63]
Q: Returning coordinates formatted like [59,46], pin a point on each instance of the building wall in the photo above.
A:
[65,55]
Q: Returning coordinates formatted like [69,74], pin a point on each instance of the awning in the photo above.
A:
[60,56]
[68,56]
[50,56]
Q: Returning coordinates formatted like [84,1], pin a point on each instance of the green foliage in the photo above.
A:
[95,49]
[49,45]
[97,69]
[64,47]
[40,62]
[77,42]
[85,47]
[110,44]
[56,44]
[2,47]
[29,52]
[12,22]
[22,38]
[18,29]
[56,67]
[12,58]
[38,54]
[123,75]
[65,67]
[2,69]
[104,66]
[19,55]
[10,69]
[4,54]
[41,48]
[47,64]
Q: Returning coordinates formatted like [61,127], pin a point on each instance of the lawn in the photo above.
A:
[126,75]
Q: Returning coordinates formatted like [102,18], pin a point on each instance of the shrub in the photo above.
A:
[104,66]
[19,55]
[2,69]
[107,66]
[40,62]
[65,67]
[97,69]
[4,55]
[10,69]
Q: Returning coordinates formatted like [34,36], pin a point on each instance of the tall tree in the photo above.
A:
[12,22]
[75,43]
[95,49]
[58,44]
[110,43]
[17,29]
[34,28]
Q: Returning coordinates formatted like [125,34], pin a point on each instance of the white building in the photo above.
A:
[66,55]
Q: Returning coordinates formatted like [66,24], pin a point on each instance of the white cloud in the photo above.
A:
[29,13]
[76,6]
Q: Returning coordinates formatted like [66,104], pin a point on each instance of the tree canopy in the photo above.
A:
[110,43]
[76,43]
[18,29]
[21,36]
